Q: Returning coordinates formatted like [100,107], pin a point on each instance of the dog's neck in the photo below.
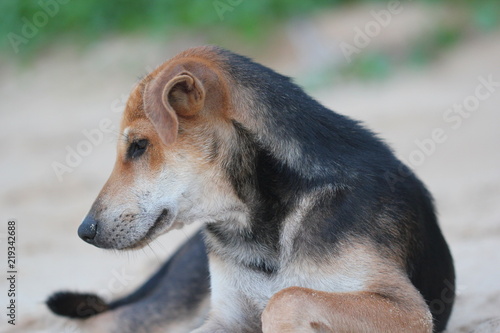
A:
[268,188]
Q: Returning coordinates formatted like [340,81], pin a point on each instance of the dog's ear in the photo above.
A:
[170,95]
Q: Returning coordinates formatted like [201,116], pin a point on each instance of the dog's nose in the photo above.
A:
[88,229]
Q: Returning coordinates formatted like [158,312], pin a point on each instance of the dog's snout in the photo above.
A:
[88,229]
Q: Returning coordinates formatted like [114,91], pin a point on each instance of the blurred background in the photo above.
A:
[425,75]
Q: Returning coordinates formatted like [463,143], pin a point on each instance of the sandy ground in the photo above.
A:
[44,109]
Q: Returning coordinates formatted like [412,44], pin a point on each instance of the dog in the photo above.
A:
[303,229]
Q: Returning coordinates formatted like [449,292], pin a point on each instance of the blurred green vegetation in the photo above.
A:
[27,26]
[478,17]
[88,20]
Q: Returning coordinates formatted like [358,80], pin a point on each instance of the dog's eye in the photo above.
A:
[137,148]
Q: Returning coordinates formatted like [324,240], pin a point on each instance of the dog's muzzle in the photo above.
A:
[88,229]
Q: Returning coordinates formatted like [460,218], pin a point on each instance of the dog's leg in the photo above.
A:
[301,310]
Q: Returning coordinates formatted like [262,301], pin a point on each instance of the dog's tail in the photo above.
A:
[76,305]
[85,305]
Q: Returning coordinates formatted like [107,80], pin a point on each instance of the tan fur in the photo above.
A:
[302,310]
[387,302]
[357,290]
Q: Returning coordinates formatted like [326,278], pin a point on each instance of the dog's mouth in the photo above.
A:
[162,222]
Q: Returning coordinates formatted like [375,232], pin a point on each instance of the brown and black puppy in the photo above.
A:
[310,222]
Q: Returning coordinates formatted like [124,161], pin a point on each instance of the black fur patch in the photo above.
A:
[76,305]
[267,186]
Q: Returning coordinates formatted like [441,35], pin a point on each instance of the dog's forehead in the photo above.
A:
[134,109]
